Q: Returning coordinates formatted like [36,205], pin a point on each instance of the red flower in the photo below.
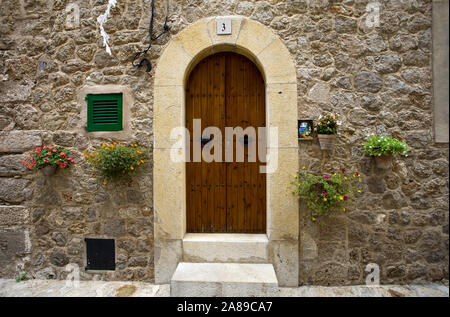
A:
[62,154]
[24,162]
[356,173]
[324,193]
[344,170]
[58,162]
[30,165]
[54,150]
[45,146]
[327,177]
[345,198]
[49,153]
[63,165]
[46,160]
[70,159]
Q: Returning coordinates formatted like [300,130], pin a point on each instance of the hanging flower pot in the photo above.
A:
[383,161]
[326,141]
[383,149]
[48,159]
[326,128]
[48,170]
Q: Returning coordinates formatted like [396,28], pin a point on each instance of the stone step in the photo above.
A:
[225,248]
[223,279]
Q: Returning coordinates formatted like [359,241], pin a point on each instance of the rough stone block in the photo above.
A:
[19,141]
[13,243]
[11,165]
[14,215]
[15,190]
[15,90]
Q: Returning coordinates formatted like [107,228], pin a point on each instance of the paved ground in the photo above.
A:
[52,288]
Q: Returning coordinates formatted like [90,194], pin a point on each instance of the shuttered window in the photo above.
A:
[104,112]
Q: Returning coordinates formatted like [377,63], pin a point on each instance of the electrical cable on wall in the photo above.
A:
[166,28]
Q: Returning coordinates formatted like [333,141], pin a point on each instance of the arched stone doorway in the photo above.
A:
[265,49]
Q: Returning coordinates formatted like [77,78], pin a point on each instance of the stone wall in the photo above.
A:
[377,79]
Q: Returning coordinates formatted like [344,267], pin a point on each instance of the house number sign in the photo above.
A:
[223,27]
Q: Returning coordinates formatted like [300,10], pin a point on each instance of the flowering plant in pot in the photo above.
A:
[116,160]
[326,128]
[325,193]
[383,148]
[48,158]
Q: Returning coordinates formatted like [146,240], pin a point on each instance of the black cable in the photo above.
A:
[151,38]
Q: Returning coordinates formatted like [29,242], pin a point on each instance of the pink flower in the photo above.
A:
[24,162]
[70,159]
[49,153]
[62,154]
[324,193]
[327,177]
[63,165]
[54,150]
[46,160]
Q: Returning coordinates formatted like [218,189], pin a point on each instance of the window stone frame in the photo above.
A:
[127,103]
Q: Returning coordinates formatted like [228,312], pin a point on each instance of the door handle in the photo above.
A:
[245,140]
[205,140]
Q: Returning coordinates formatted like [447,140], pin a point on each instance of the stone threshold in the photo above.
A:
[225,248]
[225,237]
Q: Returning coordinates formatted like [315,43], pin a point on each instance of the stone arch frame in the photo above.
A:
[183,52]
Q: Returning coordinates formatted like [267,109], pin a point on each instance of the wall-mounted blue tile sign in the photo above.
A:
[305,129]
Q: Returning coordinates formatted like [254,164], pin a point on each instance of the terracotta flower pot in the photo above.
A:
[383,161]
[48,170]
[326,141]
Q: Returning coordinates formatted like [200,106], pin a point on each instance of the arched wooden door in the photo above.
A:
[226,90]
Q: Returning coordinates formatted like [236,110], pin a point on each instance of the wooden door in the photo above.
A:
[225,90]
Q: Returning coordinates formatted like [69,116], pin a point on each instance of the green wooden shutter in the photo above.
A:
[104,112]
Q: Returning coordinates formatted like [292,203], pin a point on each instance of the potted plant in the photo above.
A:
[325,193]
[116,160]
[326,128]
[383,148]
[48,158]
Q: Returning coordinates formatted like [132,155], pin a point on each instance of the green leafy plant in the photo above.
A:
[325,193]
[115,160]
[48,155]
[22,277]
[383,145]
[327,124]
